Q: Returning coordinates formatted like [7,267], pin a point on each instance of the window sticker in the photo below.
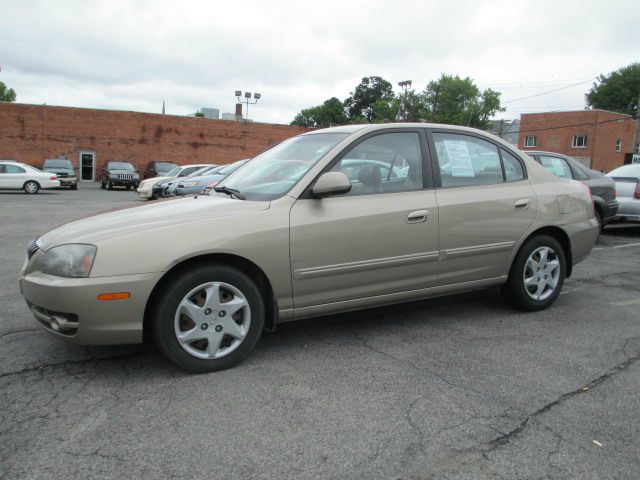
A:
[459,157]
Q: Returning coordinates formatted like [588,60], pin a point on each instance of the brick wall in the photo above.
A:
[554,132]
[32,133]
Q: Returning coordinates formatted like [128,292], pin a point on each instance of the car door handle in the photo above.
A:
[522,204]
[417,216]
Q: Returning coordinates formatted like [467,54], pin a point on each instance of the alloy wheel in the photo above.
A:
[541,273]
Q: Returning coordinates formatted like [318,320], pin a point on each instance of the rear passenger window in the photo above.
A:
[556,165]
[512,167]
[466,161]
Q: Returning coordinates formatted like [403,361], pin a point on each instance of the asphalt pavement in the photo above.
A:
[454,387]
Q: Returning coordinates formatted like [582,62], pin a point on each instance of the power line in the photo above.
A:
[547,92]
[576,125]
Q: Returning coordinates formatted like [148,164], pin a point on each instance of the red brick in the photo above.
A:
[33,133]
[555,131]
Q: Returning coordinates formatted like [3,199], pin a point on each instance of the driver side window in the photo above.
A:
[389,162]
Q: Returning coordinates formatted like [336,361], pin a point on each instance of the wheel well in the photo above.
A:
[246,266]
[562,238]
[33,181]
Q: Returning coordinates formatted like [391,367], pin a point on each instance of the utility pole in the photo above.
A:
[634,148]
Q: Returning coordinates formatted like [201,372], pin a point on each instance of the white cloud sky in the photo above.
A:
[133,55]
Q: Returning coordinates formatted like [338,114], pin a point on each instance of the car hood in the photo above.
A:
[172,212]
[119,170]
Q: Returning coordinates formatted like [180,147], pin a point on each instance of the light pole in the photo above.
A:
[247,100]
[405,85]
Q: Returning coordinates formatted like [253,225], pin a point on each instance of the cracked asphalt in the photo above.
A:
[456,387]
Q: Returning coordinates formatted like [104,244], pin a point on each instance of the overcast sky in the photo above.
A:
[132,55]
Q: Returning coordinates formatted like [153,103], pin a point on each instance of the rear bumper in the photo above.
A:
[628,210]
[609,211]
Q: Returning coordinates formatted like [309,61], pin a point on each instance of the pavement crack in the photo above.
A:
[505,438]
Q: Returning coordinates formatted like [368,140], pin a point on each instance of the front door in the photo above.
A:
[87,166]
[381,238]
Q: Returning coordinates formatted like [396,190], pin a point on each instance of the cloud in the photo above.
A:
[133,55]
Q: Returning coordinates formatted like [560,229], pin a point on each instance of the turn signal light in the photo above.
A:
[114,296]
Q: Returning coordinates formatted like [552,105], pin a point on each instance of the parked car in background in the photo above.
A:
[627,179]
[603,189]
[119,174]
[19,176]
[146,187]
[222,174]
[290,236]
[196,185]
[170,187]
[64,170]
[158,169]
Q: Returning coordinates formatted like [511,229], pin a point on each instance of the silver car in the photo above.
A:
[627,180]
[290,235]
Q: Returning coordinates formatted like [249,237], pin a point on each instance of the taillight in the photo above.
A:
[636,192]
[53,178]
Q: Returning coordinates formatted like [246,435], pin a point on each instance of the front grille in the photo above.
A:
[125,176]
[31,249]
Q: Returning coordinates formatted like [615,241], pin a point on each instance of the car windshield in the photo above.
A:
[174,172]
[625,171]
[163,167]
[57,163]
[199,172]
[231,168]
[121,166]
[274,172]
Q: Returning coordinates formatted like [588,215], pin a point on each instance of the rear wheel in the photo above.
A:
[31,187]
[537,274]
[208,318]
[599,219]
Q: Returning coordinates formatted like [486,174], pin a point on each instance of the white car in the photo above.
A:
[145,189]
[19,176]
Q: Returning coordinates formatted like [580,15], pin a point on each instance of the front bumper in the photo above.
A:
[69,307]
[124,182]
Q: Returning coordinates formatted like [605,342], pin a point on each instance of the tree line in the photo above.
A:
[454,100]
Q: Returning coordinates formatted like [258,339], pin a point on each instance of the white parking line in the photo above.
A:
[637,244]
[626,303]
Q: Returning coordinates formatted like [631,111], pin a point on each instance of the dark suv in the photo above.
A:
[119,174]
[158,169]
[603,189]
[64,169]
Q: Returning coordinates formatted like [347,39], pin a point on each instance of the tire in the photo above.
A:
[128,187]
[599,219]
[31,187]
[537,274]
[188,303]
[109,185]
[103,185]
[74,186]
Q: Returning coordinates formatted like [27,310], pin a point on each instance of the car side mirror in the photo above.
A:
[331,183]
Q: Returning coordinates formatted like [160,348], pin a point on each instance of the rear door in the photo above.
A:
[485,206]
[12,176]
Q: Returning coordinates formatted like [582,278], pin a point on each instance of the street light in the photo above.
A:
[247,100]
[405,85]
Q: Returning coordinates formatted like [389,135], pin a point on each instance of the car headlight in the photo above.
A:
[189,184]
[73,260]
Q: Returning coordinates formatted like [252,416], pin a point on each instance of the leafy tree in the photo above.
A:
[362,102]
[7,94]
[459,101]
[331,112]
[199,115]
[617,91]
[411,107]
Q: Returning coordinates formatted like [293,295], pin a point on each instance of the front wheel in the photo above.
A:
[31,187]
[537,274]
[208,318]
[109,185]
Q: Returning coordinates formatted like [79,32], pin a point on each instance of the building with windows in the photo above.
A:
[600,139]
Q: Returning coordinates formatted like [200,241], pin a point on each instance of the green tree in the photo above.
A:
[331,112]
[363,100]
[199,115]
[7,94]
[618,91]
[459,101]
